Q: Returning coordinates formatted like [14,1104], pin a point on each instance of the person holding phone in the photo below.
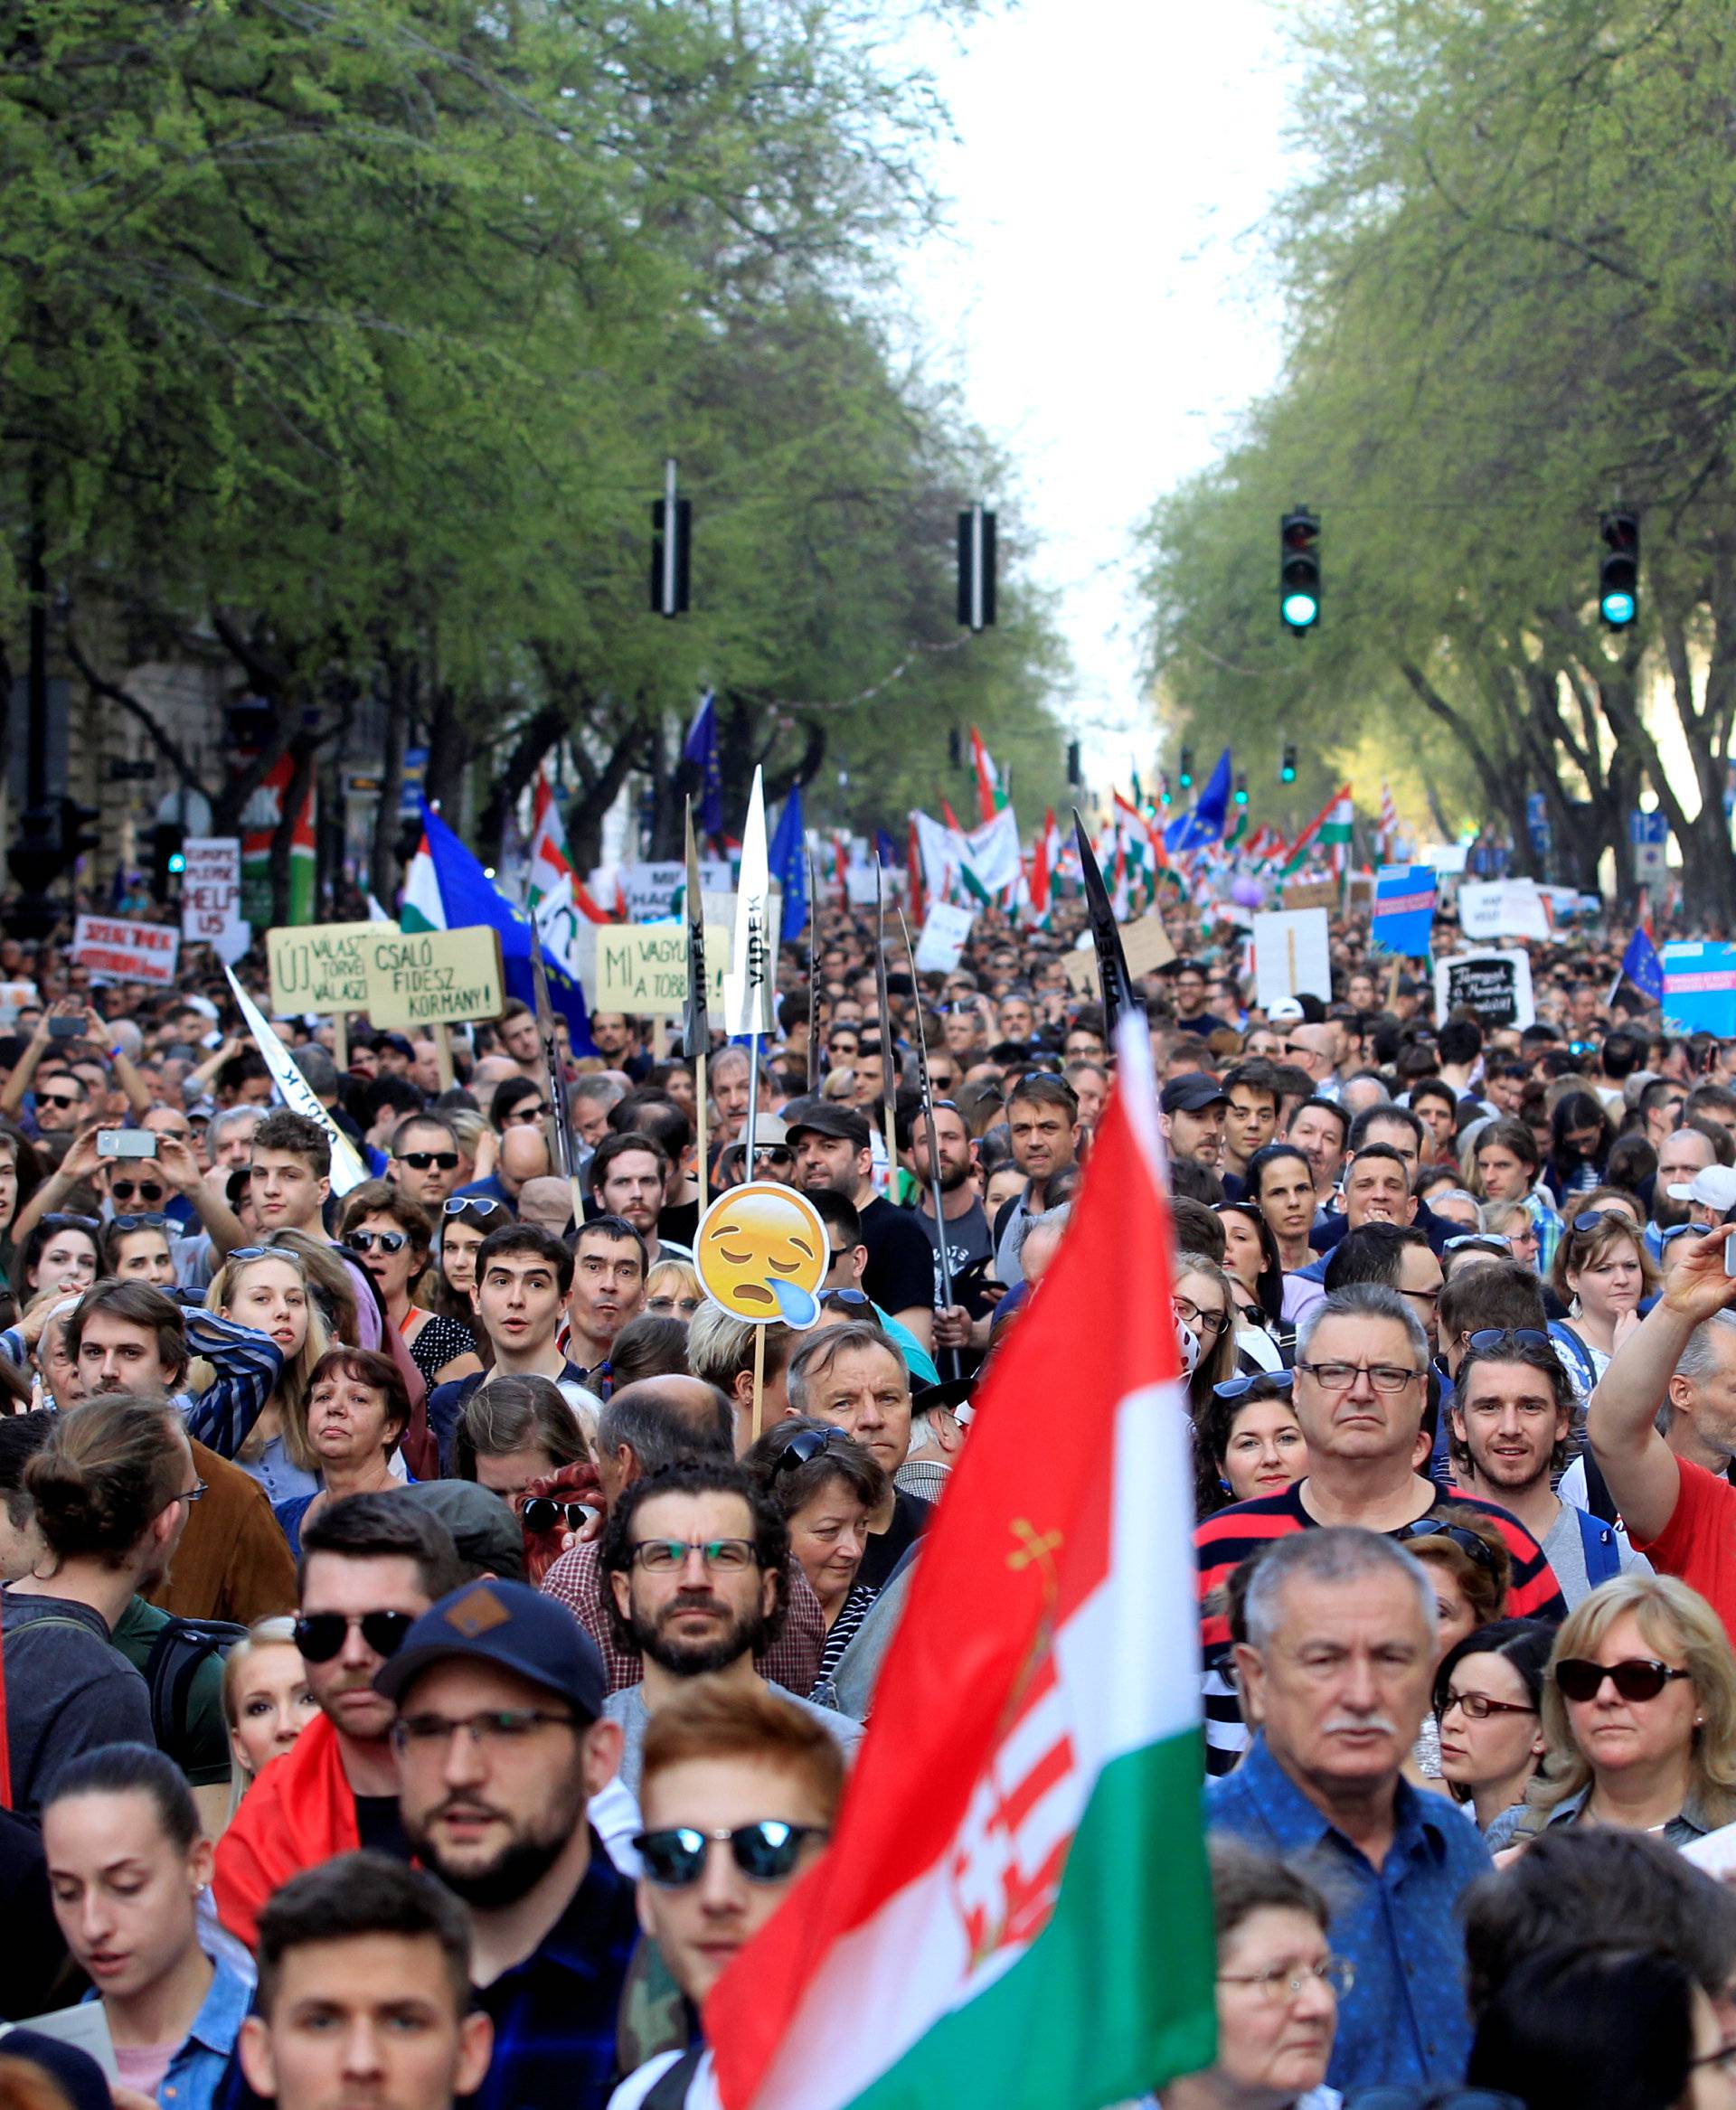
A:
[138,1172]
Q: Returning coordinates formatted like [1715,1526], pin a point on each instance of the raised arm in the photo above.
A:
[180,1169]
[1636,1462]
[246,1364]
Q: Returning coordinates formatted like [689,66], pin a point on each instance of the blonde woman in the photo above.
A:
[1639,1715]
[265,1288]
[267,1702]
[672,1291]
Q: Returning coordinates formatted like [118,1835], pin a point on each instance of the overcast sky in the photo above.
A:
[1097,294]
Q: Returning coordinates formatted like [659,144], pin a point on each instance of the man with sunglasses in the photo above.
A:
[370,1566]
[1361,1389]
[503,1752]
[425,1159]
[739,1791]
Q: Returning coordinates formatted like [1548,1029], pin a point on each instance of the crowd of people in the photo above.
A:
[436,1635]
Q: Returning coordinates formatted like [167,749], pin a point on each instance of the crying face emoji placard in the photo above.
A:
[761,1252]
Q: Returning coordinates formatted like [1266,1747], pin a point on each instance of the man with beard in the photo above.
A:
[966,1227]
[501,1746]
[695,1561]
[370,1566]
[834,1148]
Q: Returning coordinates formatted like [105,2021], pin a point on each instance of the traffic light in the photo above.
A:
[671,552]
[1184,775]
[1298,571]
[1619,573]
[1075,765]
[168,856]
[1165,795]
[79,835]
[1286,764]
[977,568]
[1241,788]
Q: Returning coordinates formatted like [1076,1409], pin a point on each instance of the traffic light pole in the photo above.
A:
[35,856]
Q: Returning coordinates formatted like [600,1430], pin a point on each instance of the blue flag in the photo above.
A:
[788,861]
[468,897]
[1404,909]
[885,850]
[1205,823]
[700,748]
[1642,965]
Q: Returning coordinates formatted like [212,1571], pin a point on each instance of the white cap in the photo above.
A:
[1285,1010]
[1715,1185]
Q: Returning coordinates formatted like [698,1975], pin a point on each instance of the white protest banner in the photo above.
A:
[1503,909]
[293,1088]
[1292,955]
[211,892]
[642,968]
[649,891]
[115,950]
[943,939]
[1495,986]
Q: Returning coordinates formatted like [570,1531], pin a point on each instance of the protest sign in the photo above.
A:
[1503,909]
[210,895]
[642,968]
[1404,909]
[419,978]
[115,950]
[296,1093]
[1495,986]
[1292,955]
[943,939]
[320,968]
[1144,942]
[1700,989]
[1359,894]
[1312,894]
[650,891]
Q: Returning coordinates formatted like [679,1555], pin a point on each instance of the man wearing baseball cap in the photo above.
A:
[1191,1115]
[832,1149]
[501,1748]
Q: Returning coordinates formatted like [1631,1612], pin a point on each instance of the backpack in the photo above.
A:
[177,1655]
[1602,1555]
[669,2090]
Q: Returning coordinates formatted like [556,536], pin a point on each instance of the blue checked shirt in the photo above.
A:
[1405,2019]
[554,2014]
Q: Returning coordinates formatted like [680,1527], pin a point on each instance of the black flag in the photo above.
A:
[1112,973]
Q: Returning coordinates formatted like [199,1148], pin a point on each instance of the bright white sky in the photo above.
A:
[1097,293]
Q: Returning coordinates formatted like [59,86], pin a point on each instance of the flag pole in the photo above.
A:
[813,978]
[566,1158]
[752,966]
[696,1036]
[927,1091]
[886,1088]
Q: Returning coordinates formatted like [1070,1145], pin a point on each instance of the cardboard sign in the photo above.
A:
[1495,986]
[649,891]
[642,968]
[1503,909]
[320,966]
[115,950]
[1292,955]
[421,977]
[1312,894]
[944,937]
[211,891]
[1145,943]
[1700,989]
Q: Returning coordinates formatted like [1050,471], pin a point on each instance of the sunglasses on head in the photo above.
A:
[1468,1542]
[455,1204]
[1487,1337]
[805,1444]
[1633,1678]
[287,1253]
[855,1299]
[765,1852]
[150,1219]
[422,1161]
[321,1636]
[1588,1220]
[542,1513]
[364,1241]
[63,1220]
[1477,1238]
[1237,1388]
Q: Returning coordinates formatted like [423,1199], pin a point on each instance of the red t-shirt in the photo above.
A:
[1699,1543]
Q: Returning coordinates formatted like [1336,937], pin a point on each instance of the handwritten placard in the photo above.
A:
[642,968]
[421,977]
[321,966]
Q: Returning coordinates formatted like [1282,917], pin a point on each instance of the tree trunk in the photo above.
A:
[404,672]
[532,741]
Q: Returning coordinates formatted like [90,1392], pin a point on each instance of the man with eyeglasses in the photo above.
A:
[696,1558]
[1361,1389]
[370,1566]
[425,1159]
[503,1755]
[739,1791]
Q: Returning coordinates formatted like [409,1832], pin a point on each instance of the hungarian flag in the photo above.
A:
[1142,852]
[1388,828]
[1014,1909]
[552,875]
[421,908]
[1330,828]
[1045,863]
[991,793]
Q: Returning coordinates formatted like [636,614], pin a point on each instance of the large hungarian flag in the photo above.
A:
[1014,1909]
[1329,829]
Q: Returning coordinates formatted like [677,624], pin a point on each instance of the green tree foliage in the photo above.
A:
[1511,288]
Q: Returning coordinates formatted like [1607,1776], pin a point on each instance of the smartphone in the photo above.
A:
[65,1028]
[126,1143]
[1730,1252]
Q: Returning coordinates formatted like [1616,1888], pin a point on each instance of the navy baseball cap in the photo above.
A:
[1192,1093]
[507,1623]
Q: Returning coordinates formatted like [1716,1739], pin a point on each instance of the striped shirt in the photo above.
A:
[1223,1541]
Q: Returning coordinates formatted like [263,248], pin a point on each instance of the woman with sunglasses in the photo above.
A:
[1600,1271]
[1639,1715]
[389,1233]
[1256,1278]
[265,1288]
[1205,1304]
[1488,1711]
[672,1291]
[136,1248]
[1248,1442]
[267,1702]
[357,1413]
[826,1488]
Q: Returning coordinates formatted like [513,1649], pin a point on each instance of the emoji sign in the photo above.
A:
[762,1254]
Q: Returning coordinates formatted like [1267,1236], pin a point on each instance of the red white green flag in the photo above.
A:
[1329,829]
[991,791]
[1014,1908]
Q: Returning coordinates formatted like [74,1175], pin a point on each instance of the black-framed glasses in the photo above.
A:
[1190,1314]
[1633,1678]
[1479,1706]
[525,1113]
[364,1241]
[669,1555]
[422,1161]
[455,1204]
[767,1853]
[1237,1388]
[1339,1377]
[499,1729]
[146,1220]
[1468,1544]
[542,1513]
[321,1636]
[54,1099]
[189,1494]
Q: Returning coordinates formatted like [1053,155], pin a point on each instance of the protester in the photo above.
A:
[608,1291]
[265,1288]
[514,1430]
[1601,1270]
[854,1377]
[825,1487]
[1248,1441]
[672,1291]
[1488,1711]
[391,1234]
[267,1700]
[357,1412]
[834,1148]
[1202,1300]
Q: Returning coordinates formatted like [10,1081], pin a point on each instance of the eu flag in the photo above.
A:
[1642,965]
[700,748]
[787,860]
[1204,823]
